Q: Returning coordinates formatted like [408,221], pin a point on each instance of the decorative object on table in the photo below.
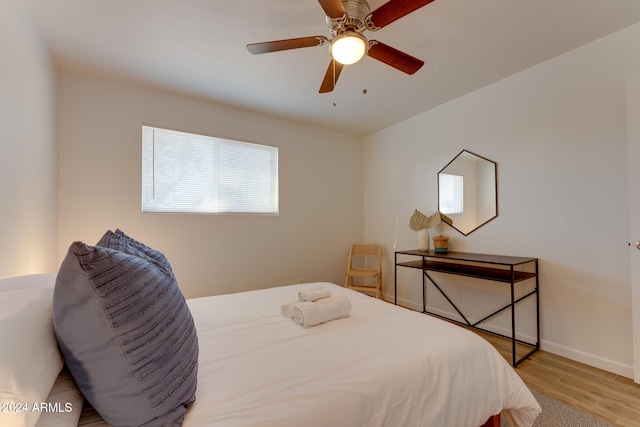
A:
[421,223]
[423,239]
[441,244]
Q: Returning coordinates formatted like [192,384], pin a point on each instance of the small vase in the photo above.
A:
[423,239]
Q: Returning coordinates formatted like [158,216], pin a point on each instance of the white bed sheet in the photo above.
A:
[381,366]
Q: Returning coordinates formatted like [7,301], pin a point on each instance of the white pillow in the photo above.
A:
[64,403]
[29,356]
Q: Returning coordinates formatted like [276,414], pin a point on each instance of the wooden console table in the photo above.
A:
[497,268]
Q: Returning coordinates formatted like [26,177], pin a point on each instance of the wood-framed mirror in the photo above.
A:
[468,191]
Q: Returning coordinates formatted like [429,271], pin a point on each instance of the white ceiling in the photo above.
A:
[198,47]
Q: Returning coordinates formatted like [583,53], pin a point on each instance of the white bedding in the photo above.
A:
[381,366]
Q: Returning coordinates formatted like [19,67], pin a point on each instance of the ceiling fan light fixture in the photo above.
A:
[348,48]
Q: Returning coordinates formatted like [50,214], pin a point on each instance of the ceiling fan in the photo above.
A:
[348,19]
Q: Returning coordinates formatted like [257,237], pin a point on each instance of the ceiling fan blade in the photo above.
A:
[392,11]
[277,45]
[395,58]
[333,8]
[331,77]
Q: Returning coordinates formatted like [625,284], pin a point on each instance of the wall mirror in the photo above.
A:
[468,191]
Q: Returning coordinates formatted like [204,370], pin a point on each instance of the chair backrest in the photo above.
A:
[366,250]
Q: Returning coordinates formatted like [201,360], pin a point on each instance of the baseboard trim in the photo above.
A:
[605,364]
[588,359]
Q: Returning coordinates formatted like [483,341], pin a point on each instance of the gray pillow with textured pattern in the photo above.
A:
[120,241]
[127,336]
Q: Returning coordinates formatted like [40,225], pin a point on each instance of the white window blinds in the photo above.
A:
[188,173]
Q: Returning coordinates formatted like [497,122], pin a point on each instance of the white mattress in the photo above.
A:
[381,366]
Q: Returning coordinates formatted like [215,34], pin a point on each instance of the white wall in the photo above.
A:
[321,188]
[28,152]
[558,134]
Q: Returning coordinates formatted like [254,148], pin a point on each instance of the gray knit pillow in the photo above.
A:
[127,336]
[120,241]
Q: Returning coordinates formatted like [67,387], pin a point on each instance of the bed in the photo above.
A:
[380,366]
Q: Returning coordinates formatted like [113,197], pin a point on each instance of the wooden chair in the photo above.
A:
[368,261]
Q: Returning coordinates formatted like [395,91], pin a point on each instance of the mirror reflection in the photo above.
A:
[467,191]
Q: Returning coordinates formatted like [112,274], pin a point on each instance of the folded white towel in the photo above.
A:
[287,307]
[308,313]
[314,294]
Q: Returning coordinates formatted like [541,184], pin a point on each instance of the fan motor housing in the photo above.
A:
[354,20]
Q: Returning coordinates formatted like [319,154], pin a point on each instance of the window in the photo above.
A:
[451,193]
[187,173]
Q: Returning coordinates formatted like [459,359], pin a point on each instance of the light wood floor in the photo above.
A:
[604,395]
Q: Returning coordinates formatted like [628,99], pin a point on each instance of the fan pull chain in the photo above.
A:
[333,92]
[364,91]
